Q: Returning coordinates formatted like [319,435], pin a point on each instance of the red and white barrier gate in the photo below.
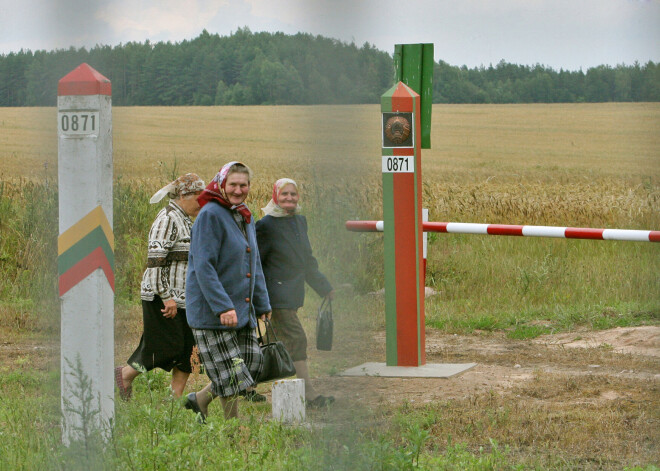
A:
[513,230]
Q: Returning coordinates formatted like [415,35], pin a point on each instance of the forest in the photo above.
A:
[246,68]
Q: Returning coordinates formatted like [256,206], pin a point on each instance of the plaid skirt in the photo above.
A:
[232,358]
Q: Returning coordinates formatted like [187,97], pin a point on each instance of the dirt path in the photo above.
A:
[505,365]
[630,352]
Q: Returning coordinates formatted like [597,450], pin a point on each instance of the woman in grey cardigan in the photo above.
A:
[225,291]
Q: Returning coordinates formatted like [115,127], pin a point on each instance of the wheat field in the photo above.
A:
[583,165]
[529,163]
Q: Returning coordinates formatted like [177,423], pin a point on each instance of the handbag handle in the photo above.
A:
[329,301]
[268,324]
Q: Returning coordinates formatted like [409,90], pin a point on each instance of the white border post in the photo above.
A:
[85,253]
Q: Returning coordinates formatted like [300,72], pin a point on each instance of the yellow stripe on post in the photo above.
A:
[87,224]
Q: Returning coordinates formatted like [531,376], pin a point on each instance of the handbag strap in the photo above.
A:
[268,324]
[329,301]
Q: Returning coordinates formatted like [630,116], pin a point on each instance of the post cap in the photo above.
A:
[84,80]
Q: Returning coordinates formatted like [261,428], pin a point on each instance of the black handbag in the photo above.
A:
[324,325]
[277,361]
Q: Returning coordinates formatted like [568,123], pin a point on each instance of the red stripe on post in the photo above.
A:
[84,268]
[84,80]
[504,229]
[654,236]
[402,100]
[583,233]
[406,269]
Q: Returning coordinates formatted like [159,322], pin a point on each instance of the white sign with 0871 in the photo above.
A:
[78,122]
[398,164]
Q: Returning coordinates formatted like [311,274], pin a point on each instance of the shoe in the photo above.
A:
[252,396]
[124,392]
[192,404]
[320,401]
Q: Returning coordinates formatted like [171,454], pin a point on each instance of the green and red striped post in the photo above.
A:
[85,250]
[402,215]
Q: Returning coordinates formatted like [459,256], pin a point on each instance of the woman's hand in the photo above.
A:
[331,295]
[265,316]
[229,318]
[170,309]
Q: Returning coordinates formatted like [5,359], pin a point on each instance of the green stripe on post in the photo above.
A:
[83,248]
[391,356]
[386,99]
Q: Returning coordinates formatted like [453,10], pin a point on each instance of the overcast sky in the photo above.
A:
[569,34]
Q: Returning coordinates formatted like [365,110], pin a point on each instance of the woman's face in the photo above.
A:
[288,198]
[190,204]
[237,187]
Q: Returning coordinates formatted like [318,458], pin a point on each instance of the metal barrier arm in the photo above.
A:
[524,231]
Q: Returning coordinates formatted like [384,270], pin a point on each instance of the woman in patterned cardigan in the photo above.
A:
[167,340]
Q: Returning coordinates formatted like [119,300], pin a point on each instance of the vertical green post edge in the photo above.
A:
[413,64]
[391,356]
[398,59]
[426,94]
[391,346]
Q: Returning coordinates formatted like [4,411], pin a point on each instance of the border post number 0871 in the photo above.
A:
[78,122]
[398,164]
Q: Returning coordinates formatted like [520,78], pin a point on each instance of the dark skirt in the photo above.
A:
[290,332]
[165,343]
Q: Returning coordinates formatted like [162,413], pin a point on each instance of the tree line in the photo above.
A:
[510,83]
[247,68]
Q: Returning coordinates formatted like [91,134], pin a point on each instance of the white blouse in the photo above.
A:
[167,256]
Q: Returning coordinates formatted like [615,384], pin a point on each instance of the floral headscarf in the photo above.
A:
[215,191]
[184,185]
[273,208]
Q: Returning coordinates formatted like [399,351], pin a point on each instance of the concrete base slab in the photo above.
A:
[431,370]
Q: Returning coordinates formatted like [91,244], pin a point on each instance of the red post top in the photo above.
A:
[84,80]
[402,98]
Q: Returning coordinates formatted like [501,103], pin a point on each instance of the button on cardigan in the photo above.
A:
[221,256]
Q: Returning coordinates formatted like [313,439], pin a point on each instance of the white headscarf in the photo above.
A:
[273,208]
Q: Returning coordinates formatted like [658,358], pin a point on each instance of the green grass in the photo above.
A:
[488,282]
[527,332]
[484,282]
[154,431]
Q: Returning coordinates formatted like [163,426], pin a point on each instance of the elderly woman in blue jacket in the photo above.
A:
[288,262]
[225,291]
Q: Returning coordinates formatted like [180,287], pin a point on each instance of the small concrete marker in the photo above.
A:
[430,370]
[289,400]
